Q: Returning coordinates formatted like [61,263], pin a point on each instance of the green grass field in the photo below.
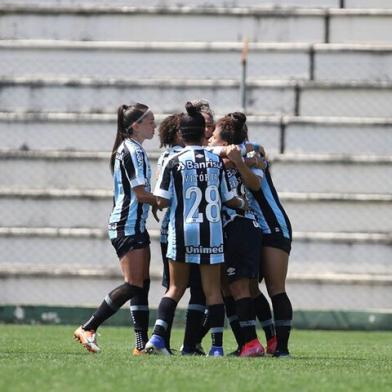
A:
[45,358]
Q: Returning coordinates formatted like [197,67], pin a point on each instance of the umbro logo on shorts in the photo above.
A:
[230,271]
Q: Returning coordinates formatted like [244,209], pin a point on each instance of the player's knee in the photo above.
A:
[240,289]
[176,292]
[213,296]
[134,281]
[275,288]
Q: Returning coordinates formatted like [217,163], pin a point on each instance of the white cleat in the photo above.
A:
[156,345]
[88,339]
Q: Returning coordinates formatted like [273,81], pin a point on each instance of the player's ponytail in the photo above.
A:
[127,115]
[191,109]
[240,127]
[192,124]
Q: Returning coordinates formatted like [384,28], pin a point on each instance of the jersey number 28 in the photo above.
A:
[213,204]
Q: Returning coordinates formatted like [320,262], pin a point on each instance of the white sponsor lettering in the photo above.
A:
[200,165]
[209,177]
[204,250]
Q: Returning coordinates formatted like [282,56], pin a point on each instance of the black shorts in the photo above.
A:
[126,243]
[242,249]
[277,241]
[194,274]
[274,241]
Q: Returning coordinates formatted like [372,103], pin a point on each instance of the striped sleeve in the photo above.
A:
[163,187]
[133,163]
[161,160]
[225,188]
[258,172]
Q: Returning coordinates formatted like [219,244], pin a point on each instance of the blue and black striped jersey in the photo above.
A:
[195,182]
[131,169]
[161,162]
[270,213]
[235,181]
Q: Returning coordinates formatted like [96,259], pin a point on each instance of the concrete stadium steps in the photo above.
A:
[308,212]
[90,249]
[165,95]
[346,4]
[193,60]
[321,291]
[265,24]
[329,173]
[264,97]
[96,131]
[340,62]
[64,131]
[386,4]
[56,208]
[293,173]
[337,212]
[150,24]
[328,135]
[199,3]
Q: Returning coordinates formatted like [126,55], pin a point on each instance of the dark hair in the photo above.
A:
[168,130]
[233,128]
[192,124]
[127,115]
[204,106]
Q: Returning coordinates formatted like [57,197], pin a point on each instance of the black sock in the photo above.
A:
[140,315]
[264,315]
[247,318]
[216,320]
[194,319]
[231,314]
[168,333]
[283,315]
[112,302]
[166,310]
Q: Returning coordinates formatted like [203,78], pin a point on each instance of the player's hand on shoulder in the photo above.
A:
[256,160]
[234,153]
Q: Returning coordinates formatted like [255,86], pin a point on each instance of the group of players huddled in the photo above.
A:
[223,232]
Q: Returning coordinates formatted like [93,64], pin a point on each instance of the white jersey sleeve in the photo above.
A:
[163,187]
[134,165]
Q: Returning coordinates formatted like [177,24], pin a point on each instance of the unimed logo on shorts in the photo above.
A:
[204,250]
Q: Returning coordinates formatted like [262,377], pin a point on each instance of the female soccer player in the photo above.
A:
[169,135]
[240,229]
[204,107]
[277,237]
[127,225]
[194,184]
